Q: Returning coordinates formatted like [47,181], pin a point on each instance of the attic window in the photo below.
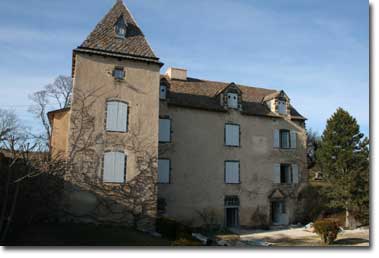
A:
[282,107]
[232,99]
[120,27]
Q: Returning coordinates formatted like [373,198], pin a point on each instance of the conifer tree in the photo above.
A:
[343,157]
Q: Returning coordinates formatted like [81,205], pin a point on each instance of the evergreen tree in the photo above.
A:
[343,157]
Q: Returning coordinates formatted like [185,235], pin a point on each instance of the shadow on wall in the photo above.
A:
[46,199]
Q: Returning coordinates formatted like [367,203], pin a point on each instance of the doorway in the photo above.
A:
[279,214]
[232,211]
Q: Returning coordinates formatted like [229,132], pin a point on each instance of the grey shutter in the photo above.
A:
[276,174]
[293,139]
[295,173]
[276,138]
[164,130]
[232,172]
[112,109]
[235,135]
[119,167]
[164,171]
[108,173]
[122,117]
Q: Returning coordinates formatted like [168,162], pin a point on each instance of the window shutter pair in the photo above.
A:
[232,135]
[114,167]
[293,139]
[164,171]
[164,130]
[232,173]
[295,174]
[117,116]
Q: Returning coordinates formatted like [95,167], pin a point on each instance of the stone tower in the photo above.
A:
[113,124]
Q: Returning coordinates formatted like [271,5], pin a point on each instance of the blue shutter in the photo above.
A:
[232,172]
[276,174]
[164,130]
[122,117]
[108,173]
[119,167]
[293,139]
[164,171]
[112,110]
[276,138]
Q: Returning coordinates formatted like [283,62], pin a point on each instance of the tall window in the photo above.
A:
[285,139]
[232,100]
[117,116]
[164,171]
[232,172]
[286,174]
[164,130]
[232,135]
[114,167]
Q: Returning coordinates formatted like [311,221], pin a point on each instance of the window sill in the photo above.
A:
[115,131]
[232,183]
[232,146]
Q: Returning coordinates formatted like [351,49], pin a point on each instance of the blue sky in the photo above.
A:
[317,51]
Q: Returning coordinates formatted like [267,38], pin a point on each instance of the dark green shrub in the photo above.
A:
[172,229]
[327,229]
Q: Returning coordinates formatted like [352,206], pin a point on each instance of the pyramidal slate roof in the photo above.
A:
[103,38]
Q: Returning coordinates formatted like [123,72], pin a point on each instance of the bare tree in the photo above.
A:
[8,123]
[54,95]
[60,90]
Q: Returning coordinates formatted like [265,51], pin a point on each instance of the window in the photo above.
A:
[232,135]
[282,107]
[232,100]
[117,116]
[164,171]
[164,130]
[114,167]
[232,172]
[119,73]
[120,27]
[286,173]
[163,91]
[285,139]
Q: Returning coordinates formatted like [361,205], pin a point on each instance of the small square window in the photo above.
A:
[163,91]
[119,73]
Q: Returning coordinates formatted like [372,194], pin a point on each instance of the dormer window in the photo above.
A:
[232,99]
[120,27]
[163,91]
[282,107]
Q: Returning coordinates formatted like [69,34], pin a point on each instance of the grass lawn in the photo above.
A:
[82,235]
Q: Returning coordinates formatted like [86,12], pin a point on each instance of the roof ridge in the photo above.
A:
[239,85]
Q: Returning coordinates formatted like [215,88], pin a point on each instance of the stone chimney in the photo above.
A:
[177,73]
